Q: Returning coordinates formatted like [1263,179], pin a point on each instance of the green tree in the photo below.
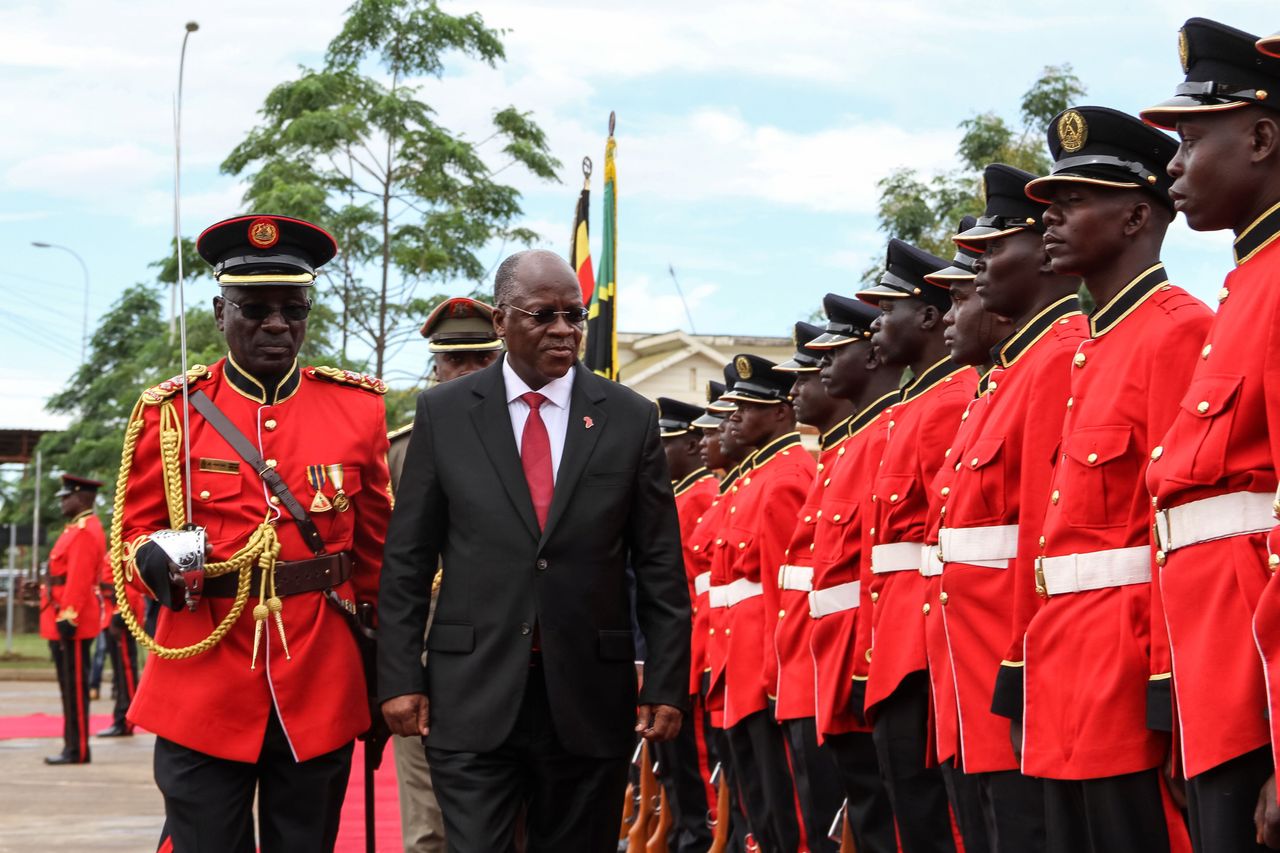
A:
[362,154]
[924,210]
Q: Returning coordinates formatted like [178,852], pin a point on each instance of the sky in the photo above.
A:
[750,137]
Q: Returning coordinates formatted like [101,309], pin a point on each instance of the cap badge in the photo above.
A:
[743,366]
[1073,130]
[263,233]
[1184,51]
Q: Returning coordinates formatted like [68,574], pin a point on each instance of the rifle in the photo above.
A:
[840,830]
[641,828]
[720,823]
[657,842]
[630,802]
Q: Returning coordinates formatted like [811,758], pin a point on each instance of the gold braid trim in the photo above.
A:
[262,549]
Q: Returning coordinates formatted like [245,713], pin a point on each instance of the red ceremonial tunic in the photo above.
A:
[71,591]
[695,495]
[756,534]
[795,684]
[998,492]
[1089,654]
[214,702]
[1225,439]
[841,557]
[709,539]
[942,691]
[920,431]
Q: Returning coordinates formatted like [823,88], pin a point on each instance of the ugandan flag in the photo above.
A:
[580,245]
[602,319]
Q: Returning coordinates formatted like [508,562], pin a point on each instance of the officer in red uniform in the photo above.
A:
[1213,473]
[817,780]
[909,333]
[839,605]
[69,615]
[999,478]
[122,648]
[753,547]
[1090,650]
[685,760]
[255,684]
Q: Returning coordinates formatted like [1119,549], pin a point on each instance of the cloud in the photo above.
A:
[645,305]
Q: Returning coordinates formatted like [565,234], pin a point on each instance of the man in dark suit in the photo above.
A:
[535,481]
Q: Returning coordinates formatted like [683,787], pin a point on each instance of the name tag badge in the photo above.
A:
[220,466]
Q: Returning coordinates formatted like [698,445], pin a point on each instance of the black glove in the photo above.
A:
[153,564]
[66,630]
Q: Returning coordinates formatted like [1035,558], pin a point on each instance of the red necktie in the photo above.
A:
[535,457]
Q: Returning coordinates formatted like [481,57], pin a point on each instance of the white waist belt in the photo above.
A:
[702,583]
[1096,570]
[1218,517]
[896,557]
[930,562]
[799,578]
[993,546]
[718,596]
[836,599]
[740,590]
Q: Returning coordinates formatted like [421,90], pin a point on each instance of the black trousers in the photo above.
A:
[965,797]
[1108,815]
[917,793]
[574,802]
[681,762]
[870,815]
[1012,810]
[817,780]
[72,659]
[208,802]
[122,648]
[1220,803]
[764,778]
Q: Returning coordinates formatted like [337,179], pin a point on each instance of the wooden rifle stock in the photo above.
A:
[642,826]
[720,840]
[846,838]
[662,826]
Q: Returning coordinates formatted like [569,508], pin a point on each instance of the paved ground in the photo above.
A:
[109,804]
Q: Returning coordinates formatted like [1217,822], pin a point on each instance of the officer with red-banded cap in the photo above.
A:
[69,610]
[255,682]
[1213,473]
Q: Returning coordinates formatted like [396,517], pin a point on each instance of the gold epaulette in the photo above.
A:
[395,433]
[348,377]
[157,394]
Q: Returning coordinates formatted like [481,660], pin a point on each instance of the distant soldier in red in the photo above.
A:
[255,686]
[122,649]
[1213,473]
[69,610]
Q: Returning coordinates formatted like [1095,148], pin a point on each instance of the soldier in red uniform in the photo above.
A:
[839,606]
[686,759]
[753,546]
[121,648]
[999,478]
[69,614]
[1090,650]
[909,333]
[1213,473]
[817,780]
[255,684]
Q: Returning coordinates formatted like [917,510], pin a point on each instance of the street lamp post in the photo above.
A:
[84,325]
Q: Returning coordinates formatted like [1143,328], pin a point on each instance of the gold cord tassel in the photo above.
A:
[260,612]
[275,605]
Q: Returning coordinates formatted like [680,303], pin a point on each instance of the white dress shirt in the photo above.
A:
[555,411]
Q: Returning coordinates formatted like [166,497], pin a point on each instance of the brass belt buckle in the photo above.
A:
[1042,589]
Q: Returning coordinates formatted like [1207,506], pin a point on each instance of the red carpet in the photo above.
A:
[351,830]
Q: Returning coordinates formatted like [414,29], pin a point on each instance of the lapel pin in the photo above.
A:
[587,422]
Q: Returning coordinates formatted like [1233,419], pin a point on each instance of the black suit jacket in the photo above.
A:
[463,500]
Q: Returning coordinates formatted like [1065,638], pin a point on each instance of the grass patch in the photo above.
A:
[30,651]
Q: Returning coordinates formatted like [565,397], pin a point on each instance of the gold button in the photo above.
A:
[810,547]
[728,631]
[746,482]
[1273,562]
[712,632]
[1159,558]
[957,466]
[973,463]
[808,518]
[1079,360]
[204,495]
[821,466]
[868,655]
[835,517]
[875,596]
[948,453]
[990,385]
[742,544]
[732,510]
[1071,401]
[1260,94]
[275,500]
[840,452]
[946,490]
[1157,453]
[1223,294]
[890,423]
[872,531]
[943,597]
[819,513]
[271,463]
[1053,498]
[893,498]
[965,416]
[719,541]
[925,609]
[875,499]
[1042,541]
[696,547]
[1208,348]
[1092,458]
[269,423]
[781,614]
[1202,406]
[699,519]
[826,482]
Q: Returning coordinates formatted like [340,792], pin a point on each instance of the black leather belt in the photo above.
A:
[292,577]
[56,580]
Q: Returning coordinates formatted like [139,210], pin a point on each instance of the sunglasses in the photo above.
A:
[292,312]
[547,316]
